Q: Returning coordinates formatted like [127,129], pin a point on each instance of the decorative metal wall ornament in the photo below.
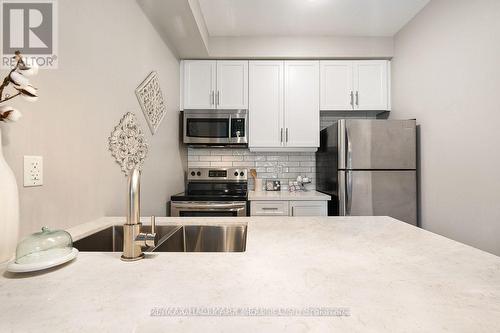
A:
[128,144]
[151,100]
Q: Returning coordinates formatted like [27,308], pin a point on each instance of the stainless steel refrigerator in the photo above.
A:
[369,168]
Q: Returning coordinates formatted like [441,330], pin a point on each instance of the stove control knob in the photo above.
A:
[198,173]
[192,173]
[236,173]
[242,174]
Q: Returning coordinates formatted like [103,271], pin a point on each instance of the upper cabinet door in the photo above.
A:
[199,84]
[302,104]
[232,84]
[265,104]
[371,83]
[336,85]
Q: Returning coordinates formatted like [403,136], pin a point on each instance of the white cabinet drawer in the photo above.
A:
[269,208]
[308,208]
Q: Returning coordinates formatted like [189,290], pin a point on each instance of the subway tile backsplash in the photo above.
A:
[280,166]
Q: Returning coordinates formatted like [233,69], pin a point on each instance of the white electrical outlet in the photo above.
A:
[33,171]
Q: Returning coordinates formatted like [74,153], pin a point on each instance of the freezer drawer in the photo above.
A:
[377,144]
[376,193]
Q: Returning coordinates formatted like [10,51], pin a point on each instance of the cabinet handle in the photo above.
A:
[281,136]
[352,99]
[292,211]
[286,134]
[218,97]
[269,208]
[212,98]
[357,98]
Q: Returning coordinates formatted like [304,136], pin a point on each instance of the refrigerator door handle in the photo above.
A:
[342,193]
[348,192]
[341,143]
[347,149]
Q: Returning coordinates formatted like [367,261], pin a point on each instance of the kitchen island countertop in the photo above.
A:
[384,275]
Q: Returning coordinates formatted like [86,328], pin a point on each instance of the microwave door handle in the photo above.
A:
[230,128]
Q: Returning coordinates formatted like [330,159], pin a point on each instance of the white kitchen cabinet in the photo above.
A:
[232,84]
[301,103]
[288,208]
[308,208]
[355,85]
[284,105]
[210,84]
[269,208]
[199,84]
[265,103]
[336,85]
[371,83]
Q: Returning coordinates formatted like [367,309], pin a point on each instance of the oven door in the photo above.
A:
[208,208]
[207,128]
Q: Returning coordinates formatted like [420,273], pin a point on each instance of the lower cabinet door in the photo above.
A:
[308,208]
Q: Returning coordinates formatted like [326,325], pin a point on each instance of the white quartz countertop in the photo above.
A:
[286,195]
[390,276]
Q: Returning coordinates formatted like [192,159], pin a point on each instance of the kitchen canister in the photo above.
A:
[258,184]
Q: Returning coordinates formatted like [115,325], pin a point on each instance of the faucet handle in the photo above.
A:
[153,224]
[151,237]
[145,239]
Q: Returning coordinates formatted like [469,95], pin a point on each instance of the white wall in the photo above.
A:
[179,24]
[446,73]
[182,25]
[106,49]
[300,47]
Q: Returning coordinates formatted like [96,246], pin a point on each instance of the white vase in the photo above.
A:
[9,210]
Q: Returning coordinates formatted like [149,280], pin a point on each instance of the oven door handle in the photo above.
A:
[194,205]
[225,208]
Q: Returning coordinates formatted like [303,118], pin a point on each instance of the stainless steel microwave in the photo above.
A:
[216,127]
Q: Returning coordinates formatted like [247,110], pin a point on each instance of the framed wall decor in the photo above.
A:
[150,98]
[128,144]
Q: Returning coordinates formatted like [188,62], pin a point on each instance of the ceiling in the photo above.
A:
[238,18]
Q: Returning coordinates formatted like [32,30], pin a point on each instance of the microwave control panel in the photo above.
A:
[237,127]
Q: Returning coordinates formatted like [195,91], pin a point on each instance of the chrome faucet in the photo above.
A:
[133,239]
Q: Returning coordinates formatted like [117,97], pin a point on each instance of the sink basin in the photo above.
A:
[172,238]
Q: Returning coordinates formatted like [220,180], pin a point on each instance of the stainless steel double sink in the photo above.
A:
[172,238]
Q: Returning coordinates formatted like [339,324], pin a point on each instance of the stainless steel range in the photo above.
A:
[212,192]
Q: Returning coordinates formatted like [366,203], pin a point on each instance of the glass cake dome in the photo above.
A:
[44,246]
